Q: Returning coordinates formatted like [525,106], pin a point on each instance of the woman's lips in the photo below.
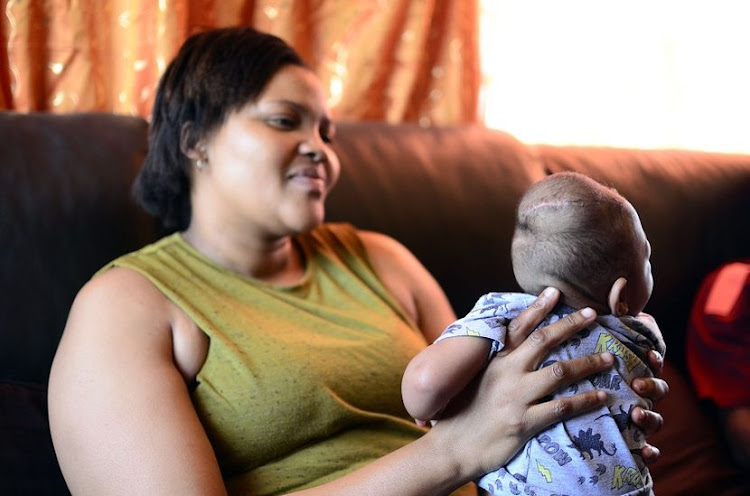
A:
[310,179]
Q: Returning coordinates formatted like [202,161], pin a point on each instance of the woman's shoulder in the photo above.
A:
[383,252]
[120,292]
[122,305]
[412,285]
[336,235]
[346,240]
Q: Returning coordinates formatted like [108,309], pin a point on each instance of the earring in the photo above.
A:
[202,161]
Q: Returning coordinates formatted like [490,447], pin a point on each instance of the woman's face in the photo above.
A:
[270,165]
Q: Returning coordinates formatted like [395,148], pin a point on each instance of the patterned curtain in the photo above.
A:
[392,60]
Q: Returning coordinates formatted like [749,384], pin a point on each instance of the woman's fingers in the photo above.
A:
[648,420]
[551,378]
[655,362]
[512,392]
[531,387]
[538,345]
[521,326]
[650,453]
[655,359]
[559,374]
[550,412]
[649,321]
[651,388]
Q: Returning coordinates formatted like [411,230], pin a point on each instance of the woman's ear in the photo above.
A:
[617,306]
[189,144]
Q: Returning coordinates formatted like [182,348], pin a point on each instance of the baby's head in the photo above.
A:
[585,239]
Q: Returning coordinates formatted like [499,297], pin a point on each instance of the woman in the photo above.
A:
[258,350]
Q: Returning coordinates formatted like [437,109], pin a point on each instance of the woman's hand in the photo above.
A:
[504,407]
[651,388]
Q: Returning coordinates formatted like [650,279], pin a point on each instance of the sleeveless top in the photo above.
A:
[301,383]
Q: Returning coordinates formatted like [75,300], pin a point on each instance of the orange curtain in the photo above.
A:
[394,60]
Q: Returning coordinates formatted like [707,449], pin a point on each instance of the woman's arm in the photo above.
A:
[121,417]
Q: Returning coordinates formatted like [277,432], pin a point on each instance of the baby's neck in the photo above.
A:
[579,301]
[577,298]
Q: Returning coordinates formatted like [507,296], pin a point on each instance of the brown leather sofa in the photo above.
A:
[447,193]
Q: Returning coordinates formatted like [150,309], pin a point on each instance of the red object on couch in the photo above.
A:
[718,340]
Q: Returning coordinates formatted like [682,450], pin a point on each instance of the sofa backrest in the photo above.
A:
[65,210]
[449,194]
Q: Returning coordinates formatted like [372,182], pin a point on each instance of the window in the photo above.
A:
[643,73]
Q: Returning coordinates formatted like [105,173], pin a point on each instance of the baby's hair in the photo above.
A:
[572,231]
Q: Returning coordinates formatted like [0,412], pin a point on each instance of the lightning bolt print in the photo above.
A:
[544,471]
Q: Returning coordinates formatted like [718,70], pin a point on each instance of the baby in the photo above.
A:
[586,240]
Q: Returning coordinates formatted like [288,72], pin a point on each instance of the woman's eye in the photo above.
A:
[326,137]
[327,133]
[283,122]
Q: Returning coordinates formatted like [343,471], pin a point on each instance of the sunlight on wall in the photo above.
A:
[643,73]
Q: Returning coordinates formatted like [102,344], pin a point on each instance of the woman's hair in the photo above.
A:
[214,73]
[572,229]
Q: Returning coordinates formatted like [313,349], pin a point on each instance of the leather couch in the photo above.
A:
[447,193]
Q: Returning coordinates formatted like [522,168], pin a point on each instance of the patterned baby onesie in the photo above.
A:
[594,453]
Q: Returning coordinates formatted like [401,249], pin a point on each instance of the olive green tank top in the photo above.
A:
[301,384]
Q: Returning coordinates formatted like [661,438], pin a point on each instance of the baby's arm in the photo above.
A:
[441,371]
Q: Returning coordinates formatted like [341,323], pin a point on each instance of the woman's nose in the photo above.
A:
[315,155]
[312,149]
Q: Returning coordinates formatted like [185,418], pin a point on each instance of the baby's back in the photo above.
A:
[598,452]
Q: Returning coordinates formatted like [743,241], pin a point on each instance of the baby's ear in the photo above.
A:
[617,306]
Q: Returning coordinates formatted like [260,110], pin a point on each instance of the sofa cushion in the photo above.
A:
[694,459]
[27,460]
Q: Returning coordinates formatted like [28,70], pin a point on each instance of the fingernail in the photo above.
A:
[588,312]
[549,293]
[639,386]
[608,357]
[647,453]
